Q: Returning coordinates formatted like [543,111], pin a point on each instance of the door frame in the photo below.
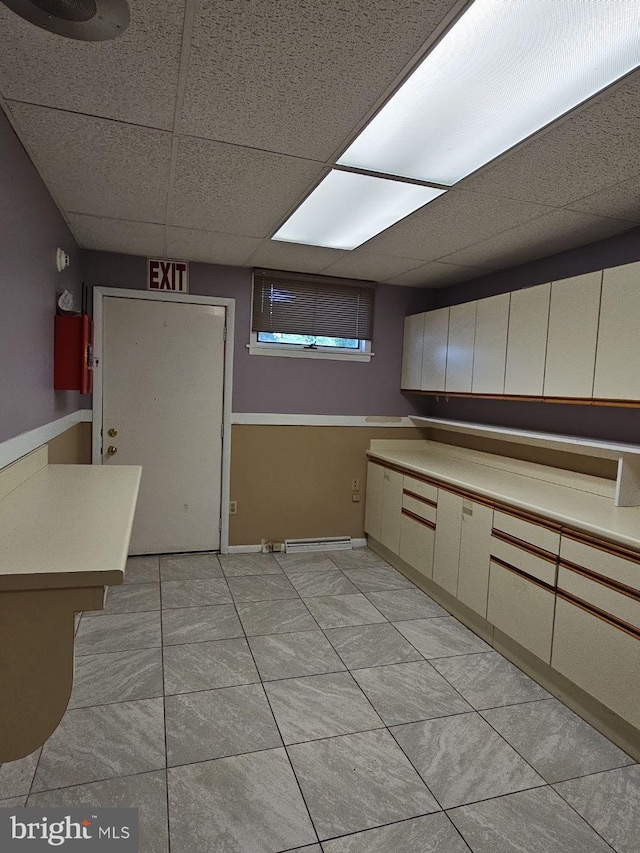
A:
[99,293]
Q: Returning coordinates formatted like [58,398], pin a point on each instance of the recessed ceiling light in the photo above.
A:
[347,209]
[502,72]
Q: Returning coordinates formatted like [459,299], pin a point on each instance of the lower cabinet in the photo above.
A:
[391,508]
[373,505]
[417,538]
[475,548]
[446,557]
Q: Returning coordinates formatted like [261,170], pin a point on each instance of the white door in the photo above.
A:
[162,390]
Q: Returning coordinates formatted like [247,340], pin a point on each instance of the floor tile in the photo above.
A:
[610,803]
[320,706]
[358,781]
[205,666]
[118,633]
[245,804]
[147,792]
[182,567]
[117,677]
[356,558]
[409,692]
[555,741]
[338,611]
[103,742]
[309,561]
[195,593]
[292,655]
[142,570]
[489,680]
[431,834]
[440,637]
[261,588]
[16,803]
[16,776]
[463,760]
[238,565]
[398,605]
[218,723]
[371,645]
[275,617]
[311,584]
[130,598]
[377,578]
[536,821]
[199,624]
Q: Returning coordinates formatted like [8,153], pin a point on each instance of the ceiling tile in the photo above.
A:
[274,255]
[436,274]
[117,235]
[549,234]
[236,190]
[621,201]
[359,264]
[590,150]
[133,78]
[208,246]
[96,166]
[453,221]
[297,77]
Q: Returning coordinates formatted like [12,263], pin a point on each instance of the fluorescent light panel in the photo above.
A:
[503,71]
[347,209]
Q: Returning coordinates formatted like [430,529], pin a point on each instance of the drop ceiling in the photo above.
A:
[197,132]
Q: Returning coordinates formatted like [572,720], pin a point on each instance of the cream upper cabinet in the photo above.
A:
[527,341]
[462,330]
[573,331]
[434,353]
[412,352]
[617,374]
[490,346]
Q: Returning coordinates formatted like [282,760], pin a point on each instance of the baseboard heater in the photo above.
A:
[328,543]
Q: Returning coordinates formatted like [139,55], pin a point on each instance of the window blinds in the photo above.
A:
[299,304]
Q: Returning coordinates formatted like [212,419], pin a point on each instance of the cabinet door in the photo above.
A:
[475,544]
[446,555]
[618,354]
[573,330]
[412,352]
[462,331]
[527,341]
[416,544]
[373,506]
[434,353]
[391,510]
[490,346]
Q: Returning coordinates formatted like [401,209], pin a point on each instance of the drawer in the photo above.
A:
[418,487]
[611,601]
[601,561]
[416,544]
[521,609]
[531,564]
[535,534]
[418,507]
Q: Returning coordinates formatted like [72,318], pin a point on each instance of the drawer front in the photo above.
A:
[418,507]
[424,490]
[534,534]
[616,604]
[532,565]
[416,544]
[522,610]
[599,657]
[601,562]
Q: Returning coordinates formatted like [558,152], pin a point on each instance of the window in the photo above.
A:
[311,316]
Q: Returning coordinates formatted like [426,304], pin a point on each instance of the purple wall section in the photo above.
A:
[31,228]
[290,385]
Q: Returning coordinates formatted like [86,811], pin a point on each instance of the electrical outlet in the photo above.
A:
[355,497]
[355,485]
[233,507]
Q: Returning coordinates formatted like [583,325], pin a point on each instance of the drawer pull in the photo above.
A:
[522,574]
[600,614]
[417,518]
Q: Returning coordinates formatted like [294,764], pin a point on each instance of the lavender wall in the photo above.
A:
[290,385]
[605,422]
[31,228]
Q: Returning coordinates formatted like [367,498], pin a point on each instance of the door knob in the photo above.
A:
[112,433]
[112,450]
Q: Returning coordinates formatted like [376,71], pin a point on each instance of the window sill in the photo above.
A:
[287,352]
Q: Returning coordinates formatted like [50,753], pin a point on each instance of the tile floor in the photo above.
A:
[318,703]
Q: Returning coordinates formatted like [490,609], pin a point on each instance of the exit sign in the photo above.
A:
[167,276]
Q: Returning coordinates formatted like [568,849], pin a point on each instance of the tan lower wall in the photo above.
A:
[295,481]
[72,447]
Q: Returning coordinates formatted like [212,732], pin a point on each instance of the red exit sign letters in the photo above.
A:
[167,276]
